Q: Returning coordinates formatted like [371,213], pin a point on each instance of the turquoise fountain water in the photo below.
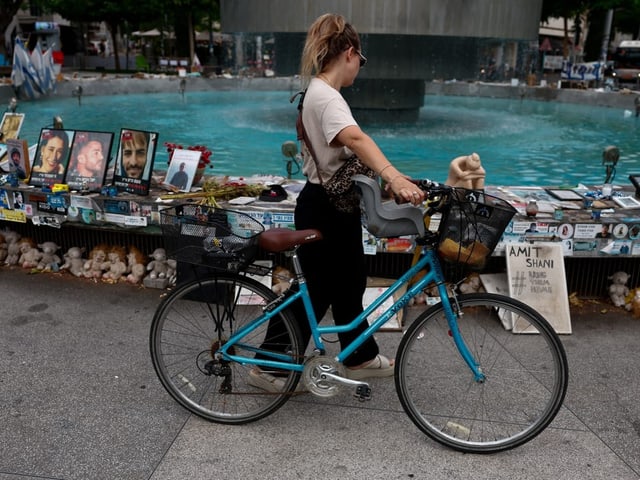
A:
[520,142]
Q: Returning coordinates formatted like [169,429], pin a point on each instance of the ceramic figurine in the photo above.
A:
[49,260]
[159,267]
[73,261]
[618,289]
[97,262]
[136,265]
[4,252]
[117,266]
[466,171]
[29,253]
[13,247]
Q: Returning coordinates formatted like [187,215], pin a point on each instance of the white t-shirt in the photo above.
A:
[325,113]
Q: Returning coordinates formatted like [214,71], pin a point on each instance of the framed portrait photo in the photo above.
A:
[18,152]
[11,125]
[52,157]
[134,160]
[90,154]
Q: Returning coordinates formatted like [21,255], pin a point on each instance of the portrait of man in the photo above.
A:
[89,159]
[136,151]
[180,178]
[19,158]
[182,170]
[16,164]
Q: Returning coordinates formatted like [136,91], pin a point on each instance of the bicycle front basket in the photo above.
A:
[472,227]
[209,236]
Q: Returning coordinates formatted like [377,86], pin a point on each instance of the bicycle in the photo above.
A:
[461,375]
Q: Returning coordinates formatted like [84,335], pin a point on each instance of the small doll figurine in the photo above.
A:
[13,247]
[97,262]
[466,171]
[73,261]
[117,266]
[159,267]
[4,252]
[49,260]
[136,265]
[29,253]
[618,289]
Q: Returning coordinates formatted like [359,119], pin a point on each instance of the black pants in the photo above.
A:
[334,268]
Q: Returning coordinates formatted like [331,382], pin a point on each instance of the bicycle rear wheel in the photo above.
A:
[194,321]
[526,375]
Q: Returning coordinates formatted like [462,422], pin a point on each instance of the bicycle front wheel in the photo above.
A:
[520,355]
[193,322]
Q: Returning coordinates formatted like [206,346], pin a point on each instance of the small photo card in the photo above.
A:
[18,151]
[11,125]
[182,170]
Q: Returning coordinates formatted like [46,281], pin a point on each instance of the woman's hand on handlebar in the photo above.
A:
[406,191]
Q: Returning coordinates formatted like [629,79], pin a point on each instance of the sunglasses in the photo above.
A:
[363,59]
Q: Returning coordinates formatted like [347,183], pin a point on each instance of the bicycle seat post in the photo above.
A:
[297,267]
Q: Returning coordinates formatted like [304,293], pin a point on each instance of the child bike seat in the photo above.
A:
[387,219]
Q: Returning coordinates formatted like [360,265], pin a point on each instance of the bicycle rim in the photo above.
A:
[526,375]
[189,327]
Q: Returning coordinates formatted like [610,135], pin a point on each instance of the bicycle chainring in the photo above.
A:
[311,375]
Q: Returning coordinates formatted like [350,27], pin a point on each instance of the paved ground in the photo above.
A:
[80,400]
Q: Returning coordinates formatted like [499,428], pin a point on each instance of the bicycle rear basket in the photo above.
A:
[472,227]
[209,236]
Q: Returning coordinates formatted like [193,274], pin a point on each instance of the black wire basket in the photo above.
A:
[210,236]
[472,226]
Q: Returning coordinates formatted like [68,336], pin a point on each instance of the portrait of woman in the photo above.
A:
[51,159]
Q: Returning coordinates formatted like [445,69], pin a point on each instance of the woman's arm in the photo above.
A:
[370,154]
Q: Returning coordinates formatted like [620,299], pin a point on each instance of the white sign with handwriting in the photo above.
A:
[537,278]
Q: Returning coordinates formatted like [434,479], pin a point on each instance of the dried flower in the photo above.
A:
[205,156]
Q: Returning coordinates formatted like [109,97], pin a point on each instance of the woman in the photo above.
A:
[335,266]
[53,151]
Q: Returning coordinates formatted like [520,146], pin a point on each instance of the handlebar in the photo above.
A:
[437,196]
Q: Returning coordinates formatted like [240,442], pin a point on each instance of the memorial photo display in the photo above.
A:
[10,125]
[90,154]
[134,161]
[52,156]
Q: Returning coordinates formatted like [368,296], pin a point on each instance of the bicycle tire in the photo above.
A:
[526,375]
[184,337]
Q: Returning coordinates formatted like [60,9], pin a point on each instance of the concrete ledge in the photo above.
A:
[116,85]
[620,99]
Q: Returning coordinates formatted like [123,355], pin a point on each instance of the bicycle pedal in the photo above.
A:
[363,392]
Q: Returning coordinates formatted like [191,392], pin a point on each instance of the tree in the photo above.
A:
[8,10]
[626,18]
[564,9]
[184,13]
[114,13]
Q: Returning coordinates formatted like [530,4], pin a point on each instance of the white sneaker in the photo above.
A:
[267,382]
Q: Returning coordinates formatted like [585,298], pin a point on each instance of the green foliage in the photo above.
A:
[8,8]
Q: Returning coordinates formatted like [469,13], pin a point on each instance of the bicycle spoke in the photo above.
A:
[189,328]
[526,376]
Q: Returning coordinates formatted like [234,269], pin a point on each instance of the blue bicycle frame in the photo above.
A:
[282,361]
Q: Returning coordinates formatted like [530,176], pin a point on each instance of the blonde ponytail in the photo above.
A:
[328,37]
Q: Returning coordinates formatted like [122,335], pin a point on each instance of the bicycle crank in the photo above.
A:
[323,376]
